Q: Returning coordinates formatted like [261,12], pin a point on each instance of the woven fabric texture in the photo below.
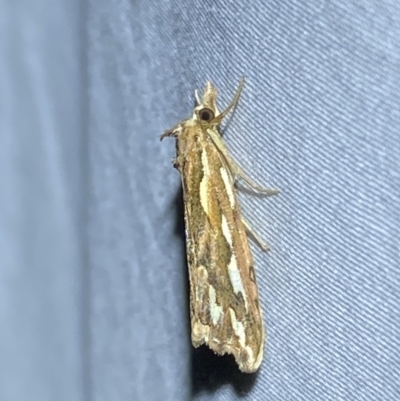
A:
[91,232]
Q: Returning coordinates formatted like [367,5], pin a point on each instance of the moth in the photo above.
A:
[224,304]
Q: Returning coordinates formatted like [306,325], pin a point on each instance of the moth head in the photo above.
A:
[206,108]
[206,112]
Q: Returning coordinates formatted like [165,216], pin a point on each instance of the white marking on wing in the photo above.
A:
[226,231]
[236,279]
[204,182]
[215,309]
[228,186]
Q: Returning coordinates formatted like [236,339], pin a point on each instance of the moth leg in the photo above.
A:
[234,169]
[255,236]
[174,131]
[238,172]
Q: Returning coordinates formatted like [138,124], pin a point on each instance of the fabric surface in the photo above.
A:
[43,341]
[319,119]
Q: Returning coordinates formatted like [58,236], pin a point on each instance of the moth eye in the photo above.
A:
[206,115]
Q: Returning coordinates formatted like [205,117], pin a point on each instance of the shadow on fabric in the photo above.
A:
[210,372]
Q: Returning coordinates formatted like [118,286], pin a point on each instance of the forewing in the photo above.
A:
[225,310]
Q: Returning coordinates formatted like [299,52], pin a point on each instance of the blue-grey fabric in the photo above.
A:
[94,300]
[43,334]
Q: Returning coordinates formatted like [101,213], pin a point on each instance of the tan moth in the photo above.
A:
[224,304]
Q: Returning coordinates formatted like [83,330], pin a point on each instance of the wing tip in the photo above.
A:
[247,358]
